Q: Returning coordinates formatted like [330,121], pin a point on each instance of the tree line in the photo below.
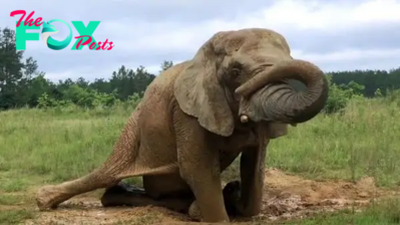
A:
[22,84]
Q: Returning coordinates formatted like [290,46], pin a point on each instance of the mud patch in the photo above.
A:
[286,197]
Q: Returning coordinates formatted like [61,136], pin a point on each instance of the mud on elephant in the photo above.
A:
[196,118]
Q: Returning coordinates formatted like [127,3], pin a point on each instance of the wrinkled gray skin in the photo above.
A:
[197,117]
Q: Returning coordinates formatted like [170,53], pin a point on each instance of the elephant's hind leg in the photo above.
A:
[117,167]
[129,195]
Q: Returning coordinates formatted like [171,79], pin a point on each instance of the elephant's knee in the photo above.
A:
[121,194]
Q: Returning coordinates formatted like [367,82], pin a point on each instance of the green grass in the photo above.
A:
[40,146]
[362,141]
[15,216]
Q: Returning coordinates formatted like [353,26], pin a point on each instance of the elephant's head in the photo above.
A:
[244,74]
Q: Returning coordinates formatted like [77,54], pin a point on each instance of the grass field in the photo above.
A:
[50,146]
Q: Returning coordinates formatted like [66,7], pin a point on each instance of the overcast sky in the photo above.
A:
[334,34]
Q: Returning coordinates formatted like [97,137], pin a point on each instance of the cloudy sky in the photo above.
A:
[334,34]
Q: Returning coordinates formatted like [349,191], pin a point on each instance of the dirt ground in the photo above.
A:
[286,197]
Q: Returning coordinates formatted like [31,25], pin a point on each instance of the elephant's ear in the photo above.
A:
[200,94]
[275,130]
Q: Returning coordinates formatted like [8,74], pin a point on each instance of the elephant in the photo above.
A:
[196,118]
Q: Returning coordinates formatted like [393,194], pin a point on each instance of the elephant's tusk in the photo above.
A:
[244,119]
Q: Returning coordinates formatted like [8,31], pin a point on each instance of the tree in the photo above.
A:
[15,75]
[22,84]
[165,65]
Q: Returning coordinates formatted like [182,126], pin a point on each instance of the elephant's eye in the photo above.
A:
[236,68]
[235,72]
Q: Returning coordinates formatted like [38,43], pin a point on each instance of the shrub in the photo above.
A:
[339,96]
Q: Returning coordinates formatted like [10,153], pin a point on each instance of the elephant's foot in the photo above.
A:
[231,194]
[49,197]
[124,194]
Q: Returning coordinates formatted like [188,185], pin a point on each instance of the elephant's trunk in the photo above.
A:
[280,102]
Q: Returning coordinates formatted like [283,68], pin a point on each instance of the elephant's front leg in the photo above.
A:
[200,167]
[252,163]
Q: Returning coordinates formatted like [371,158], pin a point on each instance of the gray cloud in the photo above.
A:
[374,36]
[135,26]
